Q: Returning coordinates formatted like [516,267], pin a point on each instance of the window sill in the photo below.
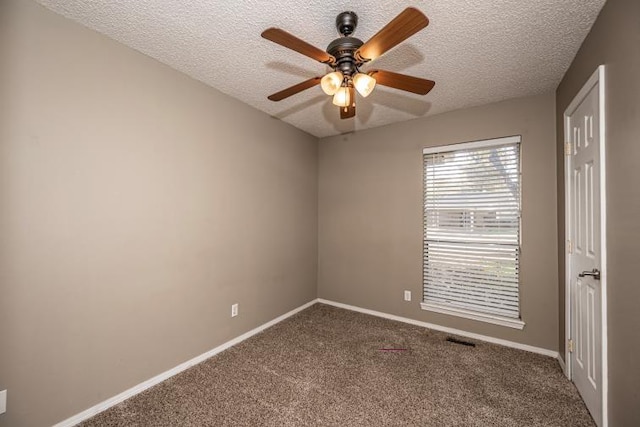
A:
[473,315]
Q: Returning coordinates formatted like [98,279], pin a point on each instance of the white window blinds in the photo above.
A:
[472,226]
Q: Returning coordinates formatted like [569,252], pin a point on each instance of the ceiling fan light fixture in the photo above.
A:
[331,82]
[364,84]
[342,97]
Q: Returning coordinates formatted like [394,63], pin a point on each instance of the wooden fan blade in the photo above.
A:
[350,111]
[402,81]
[290,41]
[347,112]
[279,96]
[403,26]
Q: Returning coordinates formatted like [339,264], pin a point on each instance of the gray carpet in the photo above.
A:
[325,367]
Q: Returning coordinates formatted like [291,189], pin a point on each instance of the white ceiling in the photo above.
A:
[477,52]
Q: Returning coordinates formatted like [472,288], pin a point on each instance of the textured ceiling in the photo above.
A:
[478,52]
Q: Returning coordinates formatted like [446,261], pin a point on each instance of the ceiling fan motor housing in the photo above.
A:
[343,49]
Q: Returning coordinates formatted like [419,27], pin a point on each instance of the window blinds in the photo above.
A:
[472,226]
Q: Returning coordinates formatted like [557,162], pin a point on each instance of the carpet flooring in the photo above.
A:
[326,367]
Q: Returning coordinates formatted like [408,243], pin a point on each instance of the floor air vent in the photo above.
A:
[457,341]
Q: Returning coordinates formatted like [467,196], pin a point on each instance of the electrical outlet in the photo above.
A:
[3,401]
[234,310]
[407,295]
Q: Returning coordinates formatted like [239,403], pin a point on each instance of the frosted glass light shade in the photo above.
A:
[331,82]
[342,97]
[364,84]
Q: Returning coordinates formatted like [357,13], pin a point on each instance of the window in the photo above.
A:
[472,230]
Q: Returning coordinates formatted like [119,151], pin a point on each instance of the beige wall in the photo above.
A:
[614,41]
[370,221]
[136,205]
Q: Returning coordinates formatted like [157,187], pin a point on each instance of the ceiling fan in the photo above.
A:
[346,54]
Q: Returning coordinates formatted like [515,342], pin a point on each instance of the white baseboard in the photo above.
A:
[506,343]
[102,406]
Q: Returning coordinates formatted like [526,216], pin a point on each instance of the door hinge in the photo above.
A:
[570,343]
[569,246]
[567,148]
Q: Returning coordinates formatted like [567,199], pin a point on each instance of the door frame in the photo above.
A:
[597,78]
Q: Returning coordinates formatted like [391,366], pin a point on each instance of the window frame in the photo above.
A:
[457,311]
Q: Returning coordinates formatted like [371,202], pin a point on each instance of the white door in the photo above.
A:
[585,258]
